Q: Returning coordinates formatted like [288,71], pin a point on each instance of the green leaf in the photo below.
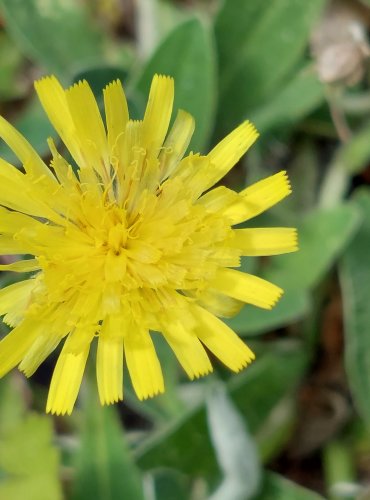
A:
[350,159]
[253,321]
[354,155]
[11,85]
[340,470]
[304,173]
[255,392]
[259,46]
[355,283]
[323,235]
[12,405]
[234,447]
[302,94]
[278,488]
[104,468]
[169,15]
[278,429]
[169,485]
[187,54]
[29,463]
[57,34]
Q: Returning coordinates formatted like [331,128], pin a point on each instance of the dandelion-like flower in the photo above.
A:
[131,244]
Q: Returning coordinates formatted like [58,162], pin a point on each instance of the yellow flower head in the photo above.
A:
[132,242]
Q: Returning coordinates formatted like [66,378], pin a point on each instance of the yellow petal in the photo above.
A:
[15,297]
[222,341]
[109,364]
[218,303]
[17,193]
[259,197]
[143,252]
[229,151]
[34,165]
[188,350]
[176,143]
[9,246]
[66,381]
[38,352]
[158,113]
[21,266]
[193,172]
[76,117]
[116,112]
[89,126]
[132,154]
[15,345]
[219,199]
[246,287]
[63,170]
[265,241]
[53,99]
[83,334]
[115,267]
[143,364]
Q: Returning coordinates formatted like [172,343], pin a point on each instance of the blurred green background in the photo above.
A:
[295,424]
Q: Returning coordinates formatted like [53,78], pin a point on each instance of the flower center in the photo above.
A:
[117,238]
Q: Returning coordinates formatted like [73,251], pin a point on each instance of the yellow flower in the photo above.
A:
[130,242]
